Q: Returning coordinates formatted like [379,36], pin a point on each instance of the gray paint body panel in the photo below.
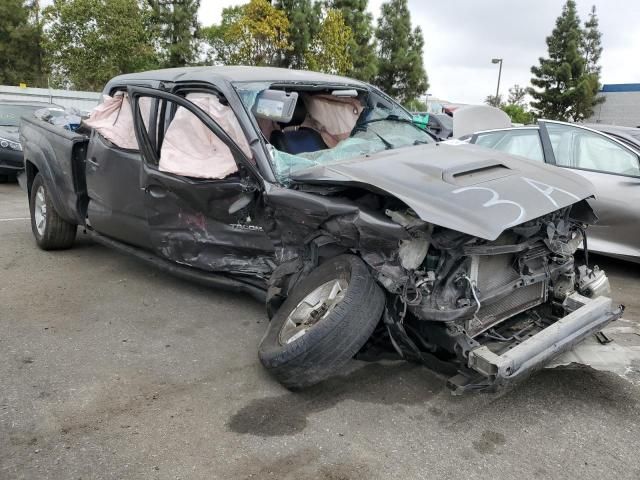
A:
[465,188]
[617,205]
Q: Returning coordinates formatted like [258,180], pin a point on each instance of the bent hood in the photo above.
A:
[466,188]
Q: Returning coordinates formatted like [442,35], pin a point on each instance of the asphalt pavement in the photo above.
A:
[111,369]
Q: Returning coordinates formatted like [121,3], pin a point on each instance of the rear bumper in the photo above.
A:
[489,370]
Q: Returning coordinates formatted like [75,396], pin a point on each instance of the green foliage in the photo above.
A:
[415,105]
[494,101]
[566,85]
[328,52]
[592,50]
[518,114]
[214,35]
[517,95]
[592,44]
[362,47]
[515,106]
[304,25]
[255,33]
[20,45]
[90,41]
[176,29]
[400,67]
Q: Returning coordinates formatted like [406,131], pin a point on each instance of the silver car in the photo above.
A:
[608,156]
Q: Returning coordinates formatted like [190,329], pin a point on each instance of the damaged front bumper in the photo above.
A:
[489,369]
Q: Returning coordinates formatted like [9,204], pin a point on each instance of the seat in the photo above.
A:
[300,140]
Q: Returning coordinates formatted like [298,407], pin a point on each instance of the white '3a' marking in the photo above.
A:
[496,200]
[547,190]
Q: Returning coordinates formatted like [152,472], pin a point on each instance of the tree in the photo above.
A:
[255,33]
[362,48]
[214,36]
[518,114]
[87,42]
[304,25]
[20,45]
[494,101]
[515,106]
[415,105]
[592,50]
[400,66]
[565,91]
[516,95]
[177,27]
[592,44]
[328,52]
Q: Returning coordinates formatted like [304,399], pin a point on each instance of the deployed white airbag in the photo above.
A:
[113,120]
[333,117]
[190,149]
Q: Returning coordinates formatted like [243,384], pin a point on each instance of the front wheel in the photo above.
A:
[51,231]
[323,323]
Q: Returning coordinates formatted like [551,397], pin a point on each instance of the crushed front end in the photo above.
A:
[488,313]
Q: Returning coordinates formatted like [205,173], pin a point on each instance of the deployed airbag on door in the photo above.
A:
[190,149]
[113,120]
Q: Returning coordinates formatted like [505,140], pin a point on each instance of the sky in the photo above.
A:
[462,36]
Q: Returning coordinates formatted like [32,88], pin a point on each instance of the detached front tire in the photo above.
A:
[50,230]
[323,323]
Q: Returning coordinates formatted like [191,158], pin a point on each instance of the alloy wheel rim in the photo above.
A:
[313,308]
[40,211]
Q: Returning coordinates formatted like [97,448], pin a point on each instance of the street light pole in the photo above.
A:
[494,61]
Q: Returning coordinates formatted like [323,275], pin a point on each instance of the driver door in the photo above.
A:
[193,218]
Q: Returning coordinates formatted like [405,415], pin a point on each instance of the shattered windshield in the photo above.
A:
[328,128]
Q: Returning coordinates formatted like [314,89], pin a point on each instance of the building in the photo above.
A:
[621,107]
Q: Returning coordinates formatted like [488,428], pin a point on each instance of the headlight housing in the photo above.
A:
[10,144]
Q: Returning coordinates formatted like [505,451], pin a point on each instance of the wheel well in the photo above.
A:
[31,171]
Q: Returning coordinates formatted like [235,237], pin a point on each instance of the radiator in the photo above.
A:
[494,271]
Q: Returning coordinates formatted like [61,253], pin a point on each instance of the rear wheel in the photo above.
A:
[51,231]
[323,323]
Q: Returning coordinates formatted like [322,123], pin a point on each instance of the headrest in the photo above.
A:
[299,114]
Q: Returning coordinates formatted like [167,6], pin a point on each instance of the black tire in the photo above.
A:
[333,340]
[4,178]
[57,233]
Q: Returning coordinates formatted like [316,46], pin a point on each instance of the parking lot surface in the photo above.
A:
[113,370]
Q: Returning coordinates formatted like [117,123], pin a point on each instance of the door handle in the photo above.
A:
[156,191]
[93,161]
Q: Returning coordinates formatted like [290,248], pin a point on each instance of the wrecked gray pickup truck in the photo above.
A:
[317,194]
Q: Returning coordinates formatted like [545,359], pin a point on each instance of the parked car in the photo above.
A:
[318,195]
[463,121]
[10,148]
[628,135]
[608,156]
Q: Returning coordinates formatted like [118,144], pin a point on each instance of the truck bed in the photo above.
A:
[59,156]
